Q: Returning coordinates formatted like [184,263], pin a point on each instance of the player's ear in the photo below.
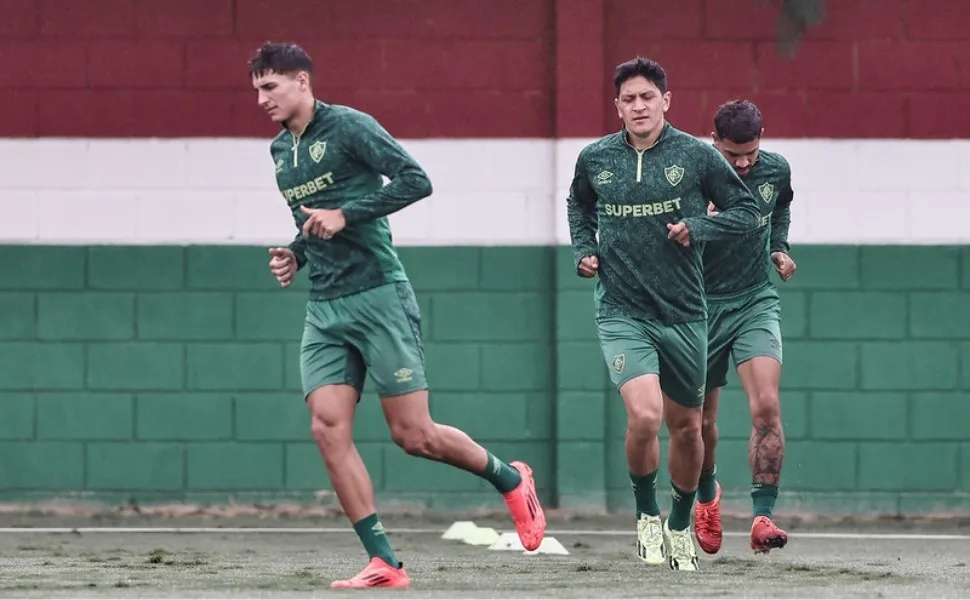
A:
[666,100]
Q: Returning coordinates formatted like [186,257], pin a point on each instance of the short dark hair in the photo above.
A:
[738,121]
[640,67]
[284,58]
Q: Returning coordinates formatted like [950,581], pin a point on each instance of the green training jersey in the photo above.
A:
[338,162]
[627,197]
[742,264]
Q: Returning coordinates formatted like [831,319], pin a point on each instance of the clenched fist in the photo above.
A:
[588,266]
[283,265]
[784,265]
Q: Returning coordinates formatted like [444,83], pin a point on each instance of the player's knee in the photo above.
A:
[709,429]
[685,429]
[644,420]
[766,408]
[685,424]
[416,440]
[329,434]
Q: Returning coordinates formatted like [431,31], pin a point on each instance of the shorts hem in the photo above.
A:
[311,389]
[629,378]
[695,403]
[716,385]
[748,357]
[383,393]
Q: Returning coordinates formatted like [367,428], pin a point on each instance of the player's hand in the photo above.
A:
[678,232]
[588,266]
[323,223]
[712,210]
[282,265]
[784,265]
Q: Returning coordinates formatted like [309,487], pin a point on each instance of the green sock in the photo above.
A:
[371,534]
[680,510]
[645,493]
[764,496]
[502,476]
[707,486]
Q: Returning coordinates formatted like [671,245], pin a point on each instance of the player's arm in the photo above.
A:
[298,245]
[581,211]
[781,218]
[298,248]
[738,209]
[374,146]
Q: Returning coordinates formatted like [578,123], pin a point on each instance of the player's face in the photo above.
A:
[641,106]
[741,156]
[280,94]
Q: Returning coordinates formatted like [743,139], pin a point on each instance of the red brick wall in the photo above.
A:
[468,68]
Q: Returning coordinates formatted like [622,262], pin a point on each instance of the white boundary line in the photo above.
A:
[322,530]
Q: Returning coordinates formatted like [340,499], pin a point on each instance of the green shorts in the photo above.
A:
[377,331]
[742,328]
[677,353]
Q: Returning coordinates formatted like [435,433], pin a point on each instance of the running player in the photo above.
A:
[362,315]
[744,324]
[637,219]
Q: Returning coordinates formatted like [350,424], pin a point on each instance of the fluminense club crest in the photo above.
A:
[674,174]
[767,191]
[317,150]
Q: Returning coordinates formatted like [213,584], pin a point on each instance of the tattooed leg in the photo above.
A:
[766,448]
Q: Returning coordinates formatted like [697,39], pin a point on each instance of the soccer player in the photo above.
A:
[644,191]
[362,315]
[744,324]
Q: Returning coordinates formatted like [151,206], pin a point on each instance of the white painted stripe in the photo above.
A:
[347,530]
[487,192]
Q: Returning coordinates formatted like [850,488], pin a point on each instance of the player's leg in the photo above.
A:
[413,429]
[707,510]
[333,376]
[389,329]
[683,367]
[758,353]
[631,359]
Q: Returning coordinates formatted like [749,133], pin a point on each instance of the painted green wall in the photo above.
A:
[143,374]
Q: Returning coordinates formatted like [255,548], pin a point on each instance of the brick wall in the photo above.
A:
[178,67]
[169,373]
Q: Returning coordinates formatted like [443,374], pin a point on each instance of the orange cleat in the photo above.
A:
[707,523]
[530,520]
[376,574]
[765,535]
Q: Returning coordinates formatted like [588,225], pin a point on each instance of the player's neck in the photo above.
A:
[643,143]
[301,118]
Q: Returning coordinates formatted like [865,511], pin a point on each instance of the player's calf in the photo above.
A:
[684,460]
[413,430]
[418,439]
[644,407]
[766,451]
[331,408]
[766,447]
[707,511]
